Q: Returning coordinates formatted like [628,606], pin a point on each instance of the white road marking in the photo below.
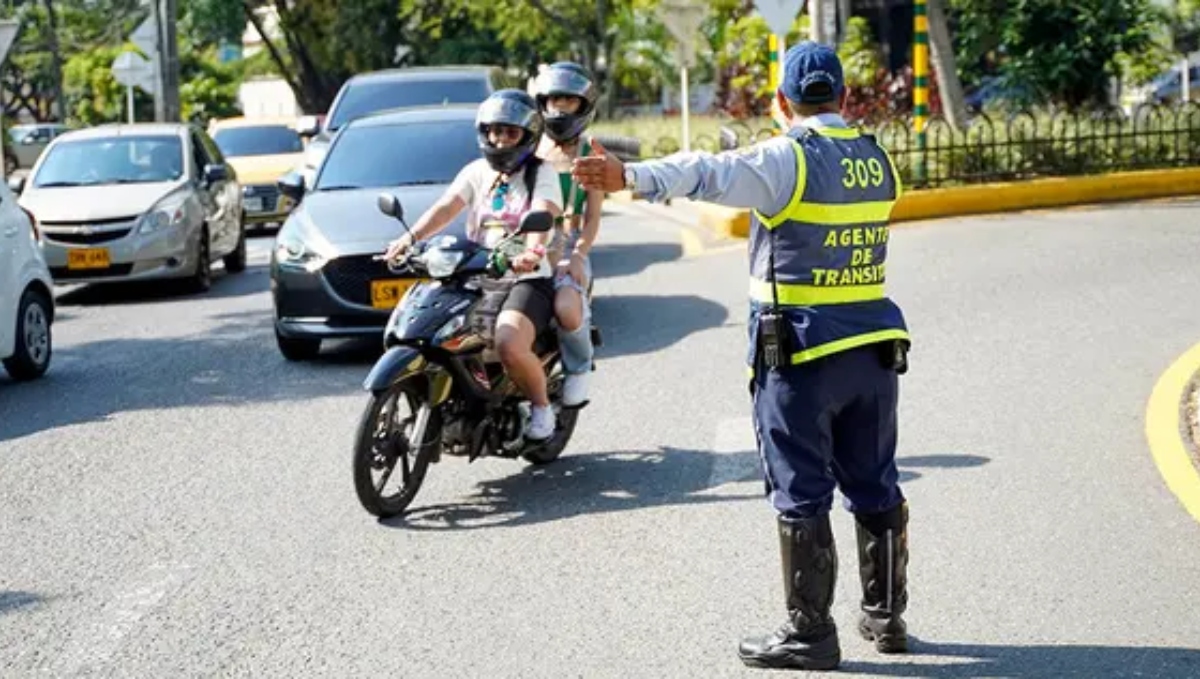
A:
[735,457]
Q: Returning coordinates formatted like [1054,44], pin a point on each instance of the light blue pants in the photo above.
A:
[577,349]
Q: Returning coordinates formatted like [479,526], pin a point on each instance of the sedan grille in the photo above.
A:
[88,232]
[350,277]
[86,238]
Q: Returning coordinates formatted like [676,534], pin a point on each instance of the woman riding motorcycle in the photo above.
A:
[566,96]
[499,188]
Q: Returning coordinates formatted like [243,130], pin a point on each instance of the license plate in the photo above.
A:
[386,294]
[88,258]
[252,204]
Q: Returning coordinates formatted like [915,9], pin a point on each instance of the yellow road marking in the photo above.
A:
[1163,431]
[692,244]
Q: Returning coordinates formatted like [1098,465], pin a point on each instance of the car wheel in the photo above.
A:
[298,348]
[33,347]
[235,262]
[201,280]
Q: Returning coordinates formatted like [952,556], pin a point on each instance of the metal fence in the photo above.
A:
[1025,145]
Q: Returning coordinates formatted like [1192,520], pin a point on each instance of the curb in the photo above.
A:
[1001,197]
[1165,430]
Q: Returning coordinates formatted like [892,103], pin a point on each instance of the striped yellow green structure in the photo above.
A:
[920,81]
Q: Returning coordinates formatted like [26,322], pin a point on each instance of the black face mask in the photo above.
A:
[564,127]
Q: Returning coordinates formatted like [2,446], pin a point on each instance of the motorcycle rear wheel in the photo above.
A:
[384,441]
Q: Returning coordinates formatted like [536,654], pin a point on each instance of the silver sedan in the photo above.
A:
[136,202]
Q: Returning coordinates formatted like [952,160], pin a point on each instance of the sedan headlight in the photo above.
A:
[441,263]
[163,216]
[292,251]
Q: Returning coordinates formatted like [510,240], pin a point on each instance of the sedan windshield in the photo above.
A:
[397,155]
[264,140]
[112,160]
[365,98]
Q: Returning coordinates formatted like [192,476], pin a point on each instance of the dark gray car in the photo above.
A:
[377,91]
[324,280]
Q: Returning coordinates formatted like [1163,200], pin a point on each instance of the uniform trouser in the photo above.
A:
[825,424]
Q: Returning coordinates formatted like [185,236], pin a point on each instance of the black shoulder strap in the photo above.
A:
[530,177]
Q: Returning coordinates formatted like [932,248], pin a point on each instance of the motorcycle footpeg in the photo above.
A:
[577,406]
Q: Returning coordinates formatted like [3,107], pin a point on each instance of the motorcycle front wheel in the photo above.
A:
[398,428]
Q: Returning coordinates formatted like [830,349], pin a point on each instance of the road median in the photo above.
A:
[1001,197]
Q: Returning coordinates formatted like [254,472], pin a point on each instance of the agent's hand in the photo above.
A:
[398,247]
[599,171]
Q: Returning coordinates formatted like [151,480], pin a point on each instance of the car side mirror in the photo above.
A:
[16,184]
[308,126]
[390,206]
[538,221]
[215,173]
[292,185]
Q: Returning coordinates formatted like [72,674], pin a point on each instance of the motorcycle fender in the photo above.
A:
[396,362]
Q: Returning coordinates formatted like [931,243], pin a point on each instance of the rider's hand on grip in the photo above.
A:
[397,248]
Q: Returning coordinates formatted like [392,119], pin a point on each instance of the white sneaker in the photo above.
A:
[541,424]
[575,390]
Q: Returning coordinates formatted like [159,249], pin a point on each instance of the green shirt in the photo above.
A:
[565,180]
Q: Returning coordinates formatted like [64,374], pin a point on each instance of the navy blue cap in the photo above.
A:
[812,74]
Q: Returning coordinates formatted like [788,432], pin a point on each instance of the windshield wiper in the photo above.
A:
[339,188]
[423,182]
[51,185]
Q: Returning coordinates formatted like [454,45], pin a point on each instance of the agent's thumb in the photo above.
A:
[598,148]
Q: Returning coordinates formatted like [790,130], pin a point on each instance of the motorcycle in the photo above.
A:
[439,388]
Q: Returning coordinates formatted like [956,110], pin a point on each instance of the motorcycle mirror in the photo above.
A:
[390,205]
[539,221]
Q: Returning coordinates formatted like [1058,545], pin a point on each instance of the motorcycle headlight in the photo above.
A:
[163,216]
[292,251]
[450,329]
[441,263]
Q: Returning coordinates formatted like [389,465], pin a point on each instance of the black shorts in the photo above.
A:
[533,297]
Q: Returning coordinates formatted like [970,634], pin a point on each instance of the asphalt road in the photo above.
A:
[176,499]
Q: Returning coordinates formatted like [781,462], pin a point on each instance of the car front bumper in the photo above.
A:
[333,301]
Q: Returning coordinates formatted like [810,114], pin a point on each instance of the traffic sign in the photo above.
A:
[130,68]
[780,14]
[683,18]
[145,37]
[8,35]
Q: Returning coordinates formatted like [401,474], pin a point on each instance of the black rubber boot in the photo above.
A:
[883,565]
[808,640]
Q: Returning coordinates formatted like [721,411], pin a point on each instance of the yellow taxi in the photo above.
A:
[261,150]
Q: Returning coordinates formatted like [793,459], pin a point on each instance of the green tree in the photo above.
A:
[739,38]
[1058,51]
[93,96]
[211,22]
[82,25]
[324,42]
[207,89]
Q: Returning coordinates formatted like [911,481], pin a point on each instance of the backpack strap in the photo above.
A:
[530,177]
